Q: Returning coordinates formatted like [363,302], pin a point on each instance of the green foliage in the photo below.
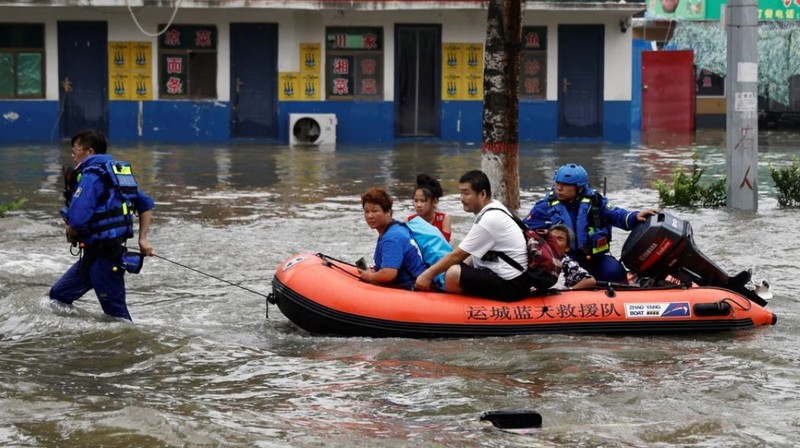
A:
[787,181]
[686,190]
[16,205]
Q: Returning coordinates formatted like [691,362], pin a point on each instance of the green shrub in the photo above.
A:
[16,205]
[686,190]
[787,181]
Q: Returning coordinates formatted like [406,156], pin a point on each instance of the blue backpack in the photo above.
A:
[431,244]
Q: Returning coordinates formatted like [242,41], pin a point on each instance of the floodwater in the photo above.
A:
[203,366]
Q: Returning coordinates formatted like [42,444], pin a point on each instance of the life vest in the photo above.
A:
[592,232]
[113,217]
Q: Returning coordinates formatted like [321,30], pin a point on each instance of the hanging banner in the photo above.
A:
[767,9]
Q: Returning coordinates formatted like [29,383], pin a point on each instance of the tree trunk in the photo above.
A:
[500,150]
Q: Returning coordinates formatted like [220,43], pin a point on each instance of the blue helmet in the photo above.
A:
[573,174]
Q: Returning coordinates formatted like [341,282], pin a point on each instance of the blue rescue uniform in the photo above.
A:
[589,239]
[101,211]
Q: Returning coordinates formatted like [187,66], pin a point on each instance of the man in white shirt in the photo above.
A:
[486,274]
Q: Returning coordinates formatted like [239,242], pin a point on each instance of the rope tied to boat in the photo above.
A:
[328,259]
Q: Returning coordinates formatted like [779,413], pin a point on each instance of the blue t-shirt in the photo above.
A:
[396,250]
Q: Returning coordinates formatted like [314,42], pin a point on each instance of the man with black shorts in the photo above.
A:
[485,274]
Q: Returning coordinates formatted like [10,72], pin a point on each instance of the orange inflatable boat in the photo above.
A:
[678,289]
[324,296]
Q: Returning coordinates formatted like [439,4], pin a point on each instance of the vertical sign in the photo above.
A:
[141,71]
[533,63]
[452,68]
[174,74]
[310,57]
[119,57]
[369,75]
[340,76]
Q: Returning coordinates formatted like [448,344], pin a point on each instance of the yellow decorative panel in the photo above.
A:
[288,86]
[119,86]
[310,55]
[462,71]
[309,83]
[130,71]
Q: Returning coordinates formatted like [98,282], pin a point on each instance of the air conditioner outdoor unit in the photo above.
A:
[312,129]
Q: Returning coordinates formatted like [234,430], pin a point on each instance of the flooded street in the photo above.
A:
[202,366]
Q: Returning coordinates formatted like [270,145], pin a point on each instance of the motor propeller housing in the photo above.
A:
[664,246]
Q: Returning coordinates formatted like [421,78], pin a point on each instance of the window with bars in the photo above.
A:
[354,63]
[188,62]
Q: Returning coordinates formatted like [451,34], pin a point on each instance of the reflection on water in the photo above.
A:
[202,366]
[190,179]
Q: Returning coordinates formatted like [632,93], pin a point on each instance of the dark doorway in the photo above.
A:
[417,80]
[254,84]
[83,76]
[580,80]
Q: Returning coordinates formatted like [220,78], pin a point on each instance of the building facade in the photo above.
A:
[229,70]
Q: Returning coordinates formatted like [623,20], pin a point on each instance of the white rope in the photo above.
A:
[146,33]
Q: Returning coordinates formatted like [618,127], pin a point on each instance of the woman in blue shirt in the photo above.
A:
[397,258]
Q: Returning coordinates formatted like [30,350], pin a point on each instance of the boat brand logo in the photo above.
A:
[649,251]
[293,262]
[647,310]
[660,250]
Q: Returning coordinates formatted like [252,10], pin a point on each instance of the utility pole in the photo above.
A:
[500,149]
[741,87]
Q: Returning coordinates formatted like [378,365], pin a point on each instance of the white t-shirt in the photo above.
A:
[496,231]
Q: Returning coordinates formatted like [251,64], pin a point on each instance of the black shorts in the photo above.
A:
[485,283]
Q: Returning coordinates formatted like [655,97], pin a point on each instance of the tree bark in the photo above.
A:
[500,149]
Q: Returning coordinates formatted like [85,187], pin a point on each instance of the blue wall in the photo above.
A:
[358,122]
[462,121]
[28,121]
[170,121]
[617,123]
[538,121]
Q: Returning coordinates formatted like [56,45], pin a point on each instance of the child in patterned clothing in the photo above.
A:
[573,276]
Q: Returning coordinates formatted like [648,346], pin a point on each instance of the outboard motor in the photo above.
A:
[664,246]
